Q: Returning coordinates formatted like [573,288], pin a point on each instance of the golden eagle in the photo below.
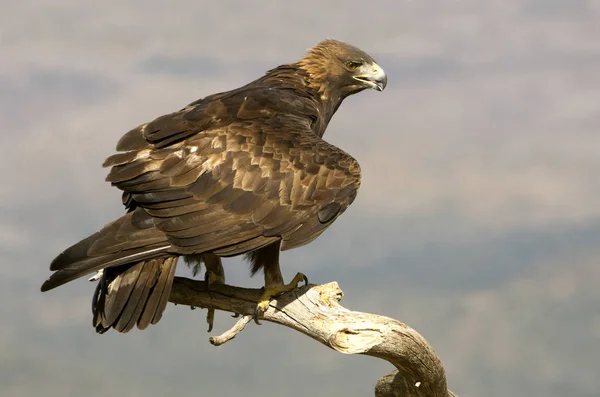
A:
[239,172]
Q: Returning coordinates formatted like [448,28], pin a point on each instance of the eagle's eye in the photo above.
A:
[352,65]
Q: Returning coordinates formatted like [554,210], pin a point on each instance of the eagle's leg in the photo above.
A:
[215,274]
[268,258]
[270,292]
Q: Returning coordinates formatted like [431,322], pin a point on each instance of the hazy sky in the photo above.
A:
[477,221]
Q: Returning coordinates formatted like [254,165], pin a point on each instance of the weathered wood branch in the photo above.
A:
[315,311]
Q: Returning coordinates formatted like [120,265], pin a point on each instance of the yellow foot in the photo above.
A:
[212,278]
[271,292]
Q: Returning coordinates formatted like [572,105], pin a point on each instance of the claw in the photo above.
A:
[210,319]
[235,315]
[262,307]
[269,293]
[256,313]
[210,277]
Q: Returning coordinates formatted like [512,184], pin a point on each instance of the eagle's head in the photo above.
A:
[337,68]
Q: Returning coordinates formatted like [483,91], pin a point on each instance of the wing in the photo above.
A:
[228,182]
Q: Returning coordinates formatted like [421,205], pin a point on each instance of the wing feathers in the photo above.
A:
[206,180]
[228,174]
[127,240]
[132,140]
[89,265]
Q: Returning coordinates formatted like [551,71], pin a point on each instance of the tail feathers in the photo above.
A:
[130,295]
[91,264]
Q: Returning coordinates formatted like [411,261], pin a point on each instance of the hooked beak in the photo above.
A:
[373,76]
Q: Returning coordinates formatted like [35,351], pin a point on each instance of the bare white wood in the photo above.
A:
[315,311]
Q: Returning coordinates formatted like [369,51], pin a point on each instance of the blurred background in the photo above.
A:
[477,223]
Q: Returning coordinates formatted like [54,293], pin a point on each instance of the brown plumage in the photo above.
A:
[239,172]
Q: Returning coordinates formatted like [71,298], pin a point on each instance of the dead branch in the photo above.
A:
[315,311]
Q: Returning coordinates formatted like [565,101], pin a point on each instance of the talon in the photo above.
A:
[210,319]
[235,315]
[271,292]
[262,307]
[214,274]
[192,307]
[298,278]
[256,313]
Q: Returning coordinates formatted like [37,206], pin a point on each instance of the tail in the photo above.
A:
[138,274]
[133,294]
